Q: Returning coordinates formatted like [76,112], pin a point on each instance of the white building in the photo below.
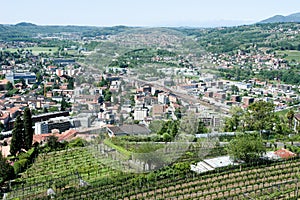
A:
[140,114]
[41,128]
[163,98]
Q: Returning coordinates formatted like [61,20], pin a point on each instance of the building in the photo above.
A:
[247,100]
[140,114]
[163,98]
[3,84]
[158,111]
[61,123]
[29,77]
[41,128]
[64,62]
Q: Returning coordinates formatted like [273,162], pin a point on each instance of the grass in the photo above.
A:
[290,55]
[35,50]
[118,148]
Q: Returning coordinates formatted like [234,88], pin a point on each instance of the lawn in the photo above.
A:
[290,55]
[36,50]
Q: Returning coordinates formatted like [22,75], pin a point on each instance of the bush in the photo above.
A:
[20,166]
[78,142]
[24,160]
[6,170]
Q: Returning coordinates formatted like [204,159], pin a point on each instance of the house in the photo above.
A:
[3,84]
[296,121]
[128,129]
[280,154]
[158,110]
[163,98]
[65,136]
[284,153]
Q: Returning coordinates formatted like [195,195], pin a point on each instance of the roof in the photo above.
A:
[67,135]
[297,116]
[129,129]
[284,153]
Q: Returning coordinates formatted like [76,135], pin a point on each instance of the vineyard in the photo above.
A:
[88,173]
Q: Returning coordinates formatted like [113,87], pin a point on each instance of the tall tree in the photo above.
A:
[246,147]
[17,141]
[188,123]
[7,171]
[233,123]
[70,85]
[201,127]
[28,130]
[290,115]
[63,104]
[260,116]
[9,86]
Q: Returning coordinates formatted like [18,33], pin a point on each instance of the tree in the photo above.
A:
[24,85]
[233,123]
[7,171]
[201,127]
[107,95]
[1,126]
[178,113]
[103,82]
[247,147]
[167,137]
[28,130]
[260,116]
[290,116]
[53,143]
[70,85]
[189,124]
[9,86]
[17,141]
[156,125]
[63,104]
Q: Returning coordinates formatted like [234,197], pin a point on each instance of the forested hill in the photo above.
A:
[25,31]
[273,36]
[282,19]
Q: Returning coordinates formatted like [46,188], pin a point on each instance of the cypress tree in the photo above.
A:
[63,104]
[28,130]
[17,136]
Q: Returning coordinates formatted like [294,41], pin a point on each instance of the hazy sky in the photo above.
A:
[141,12]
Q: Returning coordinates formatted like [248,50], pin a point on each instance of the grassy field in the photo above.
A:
[291,55]
[36,50]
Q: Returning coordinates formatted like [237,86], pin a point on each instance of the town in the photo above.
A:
[112,93]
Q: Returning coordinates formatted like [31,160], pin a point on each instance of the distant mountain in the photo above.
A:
[282,19]
[25,24]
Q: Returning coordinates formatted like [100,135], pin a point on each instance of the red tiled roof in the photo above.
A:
[284,153]
[67,135]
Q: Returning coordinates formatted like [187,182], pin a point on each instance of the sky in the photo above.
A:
[143,12]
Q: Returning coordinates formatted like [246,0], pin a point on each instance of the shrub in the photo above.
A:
[78,142]
[20,166]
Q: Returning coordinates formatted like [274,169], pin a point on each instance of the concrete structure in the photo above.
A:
[140,114]
[247,100]
[60,123]
[29,77]
[41,128]
[163,98]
